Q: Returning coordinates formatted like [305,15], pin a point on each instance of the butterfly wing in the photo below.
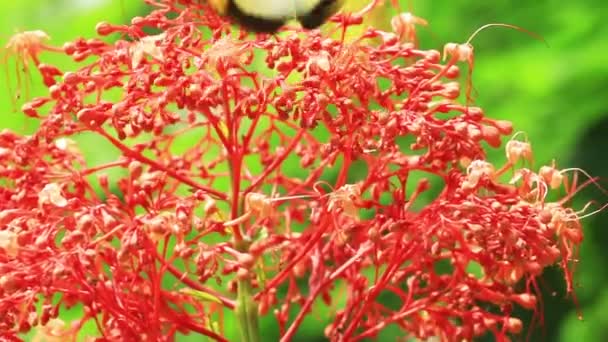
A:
[317,15]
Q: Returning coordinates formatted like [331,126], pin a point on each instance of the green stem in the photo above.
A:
[246,310]
[247,313]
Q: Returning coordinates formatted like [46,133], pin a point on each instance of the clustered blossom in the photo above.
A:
[240,156]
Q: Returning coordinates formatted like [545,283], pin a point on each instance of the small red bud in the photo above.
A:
[491,135]
[104,28]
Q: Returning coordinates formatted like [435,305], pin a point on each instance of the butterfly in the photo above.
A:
[268,16]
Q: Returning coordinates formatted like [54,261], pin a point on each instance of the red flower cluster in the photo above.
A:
[252,165]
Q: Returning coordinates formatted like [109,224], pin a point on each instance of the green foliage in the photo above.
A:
[554,94]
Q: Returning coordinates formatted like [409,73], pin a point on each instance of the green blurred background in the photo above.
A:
[557,95]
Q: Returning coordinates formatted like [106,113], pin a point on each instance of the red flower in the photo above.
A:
[251,163]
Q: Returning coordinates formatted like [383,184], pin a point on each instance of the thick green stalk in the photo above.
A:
[247,313]
[246,310]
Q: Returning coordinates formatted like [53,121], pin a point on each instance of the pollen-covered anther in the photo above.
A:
[225,48]
[517,150]
[52,194]
[67,144]
[461,52]
[210,206]
[404,25]
[318,63]
[54,330]
[532,187]
[147,46]
[9,243]
[477,170]
[27,40]
[25,47]
[551,176]
[149,180]
[345,199]
[159,226]
[565,224]
[27,44]
[259,204]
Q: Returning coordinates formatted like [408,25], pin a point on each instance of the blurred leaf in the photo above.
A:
[594,326]
[203,296]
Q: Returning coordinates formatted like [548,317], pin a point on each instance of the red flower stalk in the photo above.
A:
[251,163]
